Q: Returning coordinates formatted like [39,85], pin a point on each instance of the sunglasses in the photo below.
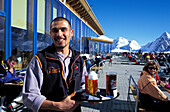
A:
[152,68]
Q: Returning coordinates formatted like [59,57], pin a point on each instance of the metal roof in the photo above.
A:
[84,11]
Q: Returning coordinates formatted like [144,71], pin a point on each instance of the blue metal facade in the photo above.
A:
[25,42]
[79,31]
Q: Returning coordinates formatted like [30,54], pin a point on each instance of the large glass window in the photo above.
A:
[19,13]
[78,34]
[41,16]
[88,34]
[100,47]
[83,37]
[96,47]
[92,47]
[2,5]
[57,10]
[73,38]
[43,40]
[66,13]
[109,47]
[85,30]
[105,47]
[21,38]
[2,37]
[48,21]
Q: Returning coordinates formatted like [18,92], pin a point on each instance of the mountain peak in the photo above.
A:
[165,35]
[134,45]
[121,41]
[160,44]
[124,44]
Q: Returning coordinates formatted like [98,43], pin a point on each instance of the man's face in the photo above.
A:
[61,33]
[11,64]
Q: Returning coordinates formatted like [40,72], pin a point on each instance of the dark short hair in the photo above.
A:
[84,57]
[60,19]
[13,58]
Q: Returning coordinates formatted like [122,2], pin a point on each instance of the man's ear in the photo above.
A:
[71,32]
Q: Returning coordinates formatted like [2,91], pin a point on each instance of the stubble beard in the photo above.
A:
[61,46]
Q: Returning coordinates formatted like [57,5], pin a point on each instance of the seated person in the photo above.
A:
[150,96]
[2,69]
[110,61]
[156,77]
[98,59]
[88,63]
[10,74]
[130,56]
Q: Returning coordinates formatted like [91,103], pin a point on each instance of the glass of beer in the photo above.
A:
[93,83]
[111,82]
[86,83]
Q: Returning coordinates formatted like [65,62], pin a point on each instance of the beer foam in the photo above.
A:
[93,75]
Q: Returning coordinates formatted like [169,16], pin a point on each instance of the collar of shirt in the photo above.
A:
[62,57]
[65,62]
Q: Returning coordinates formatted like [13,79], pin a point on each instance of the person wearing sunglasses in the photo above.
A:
[156,77]
[150,96]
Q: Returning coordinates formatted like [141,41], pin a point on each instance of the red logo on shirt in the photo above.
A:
[76,67]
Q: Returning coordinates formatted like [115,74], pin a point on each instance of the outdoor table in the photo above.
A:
[10,89]
[13,84]
[162,84]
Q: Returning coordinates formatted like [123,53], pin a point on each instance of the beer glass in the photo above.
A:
[111,83]
[86,84]
[92,83]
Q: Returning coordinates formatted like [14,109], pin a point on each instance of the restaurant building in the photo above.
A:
[25,27]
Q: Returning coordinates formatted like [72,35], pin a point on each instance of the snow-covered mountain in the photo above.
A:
[160,44]
[124,44]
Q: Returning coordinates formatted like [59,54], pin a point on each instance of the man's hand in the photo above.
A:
[11,70]
[75,105]
[67,104]
[64,105]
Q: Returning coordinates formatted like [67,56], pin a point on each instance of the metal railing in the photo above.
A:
[93,66]
[99,68]
[131,79]
[103,64]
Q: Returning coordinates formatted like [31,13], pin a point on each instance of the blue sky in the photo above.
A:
[140,20]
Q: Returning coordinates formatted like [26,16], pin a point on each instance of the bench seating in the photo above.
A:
[162,84]
[134,93]
[133,90]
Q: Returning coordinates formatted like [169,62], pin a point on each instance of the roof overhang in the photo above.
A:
[82,8]
[100,40]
